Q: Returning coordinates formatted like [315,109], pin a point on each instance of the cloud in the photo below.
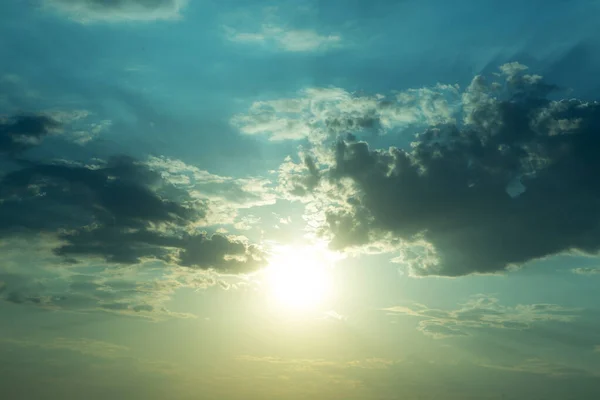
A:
[118,193]
[76,126]
[292,40]
[22,132]
[120,211]
[222,253]
[586,271]
[86,11]
[245,191]
[482,312]
[538,366]
[299,179]
[322,113]
[225,194]
[511,180]
[88,287]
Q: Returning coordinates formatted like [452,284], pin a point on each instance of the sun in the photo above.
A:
[299,279]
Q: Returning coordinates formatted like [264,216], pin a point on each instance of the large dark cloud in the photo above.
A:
[119,193]
[517,181]
[24,131]
[121,211]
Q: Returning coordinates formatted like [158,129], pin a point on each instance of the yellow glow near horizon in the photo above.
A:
[299,279]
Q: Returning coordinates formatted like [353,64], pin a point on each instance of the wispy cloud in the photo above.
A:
[86,11]
[482,312]
[541,367]
[88,347]
[325,112]
[586,271]
[226,194]
[292,40]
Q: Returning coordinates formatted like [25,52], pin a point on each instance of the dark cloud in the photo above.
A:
[202,251]
[24,131]
[119,211]
[118,194]
[118,245]
[116,306]
[517,181]
[142,308]
[18,289]
[18,298]
[301,185]
[221,253]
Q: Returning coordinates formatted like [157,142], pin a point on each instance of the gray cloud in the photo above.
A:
[24,131]
[58,217]
[18,289]
[119,211]
[222,253]
[119,193]
[514,181]
[118,10]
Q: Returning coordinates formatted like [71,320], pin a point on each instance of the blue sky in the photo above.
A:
[318,199]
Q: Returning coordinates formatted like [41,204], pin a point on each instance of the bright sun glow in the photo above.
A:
[299,278]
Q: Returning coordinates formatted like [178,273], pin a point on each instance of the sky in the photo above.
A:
[341,199]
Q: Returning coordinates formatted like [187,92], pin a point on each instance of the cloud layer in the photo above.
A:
[482,312]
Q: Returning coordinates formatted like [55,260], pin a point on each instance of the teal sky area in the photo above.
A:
[315,199]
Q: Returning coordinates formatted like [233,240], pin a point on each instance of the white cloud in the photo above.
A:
[319,113]
[77,125]
[306,40]
[292,40]
[513,68]
[86,11]
[226,195]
